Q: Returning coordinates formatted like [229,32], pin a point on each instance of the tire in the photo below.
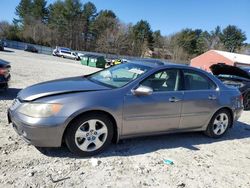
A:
[246,101]
[95,133]
[219,124]
[6,87]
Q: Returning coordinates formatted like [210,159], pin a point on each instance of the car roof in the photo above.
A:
[64,48]
[158,63]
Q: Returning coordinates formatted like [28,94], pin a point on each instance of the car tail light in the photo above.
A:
[241,99]
[2,71]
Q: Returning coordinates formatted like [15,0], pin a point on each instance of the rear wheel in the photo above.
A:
[89,135]
[219,124]
[246,101]
[5,87]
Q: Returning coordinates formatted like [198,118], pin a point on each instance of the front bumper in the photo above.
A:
[41,132]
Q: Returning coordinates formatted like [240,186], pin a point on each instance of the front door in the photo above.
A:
[158,112]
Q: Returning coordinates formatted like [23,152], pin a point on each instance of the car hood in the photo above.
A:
[218,69]
[55,87]
[4,64]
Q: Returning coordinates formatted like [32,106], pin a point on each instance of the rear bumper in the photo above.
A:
[35,132]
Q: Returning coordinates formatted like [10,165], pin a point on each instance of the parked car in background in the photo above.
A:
[57,51]
[31,48]
[1,45]
[126,100]
[112,62]
[238,77]
[4,74]
[65,53]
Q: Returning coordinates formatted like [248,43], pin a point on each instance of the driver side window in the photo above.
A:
[166,80]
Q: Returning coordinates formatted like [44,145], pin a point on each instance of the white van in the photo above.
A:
[65,53]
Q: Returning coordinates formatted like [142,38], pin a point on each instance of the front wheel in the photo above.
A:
[89,135]
[219,124]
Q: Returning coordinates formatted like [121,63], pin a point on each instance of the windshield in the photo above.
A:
[119,75]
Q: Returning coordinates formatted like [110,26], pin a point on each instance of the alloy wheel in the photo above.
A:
[91,135]
[220,123]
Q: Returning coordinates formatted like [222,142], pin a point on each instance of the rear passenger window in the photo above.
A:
[196,81]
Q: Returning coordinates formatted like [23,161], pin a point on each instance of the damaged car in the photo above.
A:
[238,77]
[127,100]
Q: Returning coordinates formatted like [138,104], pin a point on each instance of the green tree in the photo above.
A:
[104,20]
[39,10]
[187,39]
[23,11]
[57,23]
[232,37]
[72,15]
[65,21]
[215,42]
[209,40]
[9,31]
[142,38]
[158,39]
[89,13]
[104,28]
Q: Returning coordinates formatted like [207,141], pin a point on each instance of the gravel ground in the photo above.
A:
[198,160]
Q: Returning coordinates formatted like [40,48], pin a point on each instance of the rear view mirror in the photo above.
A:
[142,91]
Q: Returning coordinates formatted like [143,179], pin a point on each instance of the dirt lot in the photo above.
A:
[198,160]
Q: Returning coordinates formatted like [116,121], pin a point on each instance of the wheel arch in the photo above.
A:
[229,110]
[245,94]
[109,115]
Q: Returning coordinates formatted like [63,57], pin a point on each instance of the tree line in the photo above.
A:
[80,26]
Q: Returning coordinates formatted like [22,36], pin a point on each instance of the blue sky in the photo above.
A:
[169,16]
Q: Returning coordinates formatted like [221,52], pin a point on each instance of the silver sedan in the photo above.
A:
[127,100]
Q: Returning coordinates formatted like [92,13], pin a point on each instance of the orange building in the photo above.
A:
[205,60]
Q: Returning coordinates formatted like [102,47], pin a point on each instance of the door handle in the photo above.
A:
[212,97]
[174,99]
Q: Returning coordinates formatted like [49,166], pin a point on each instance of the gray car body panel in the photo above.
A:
[134,115]
[61,86]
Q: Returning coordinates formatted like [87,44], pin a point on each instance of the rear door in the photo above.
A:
[200,99]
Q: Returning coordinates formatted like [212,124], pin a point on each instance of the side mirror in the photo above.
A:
[142,91]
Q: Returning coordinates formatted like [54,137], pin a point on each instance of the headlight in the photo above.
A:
[39,110]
